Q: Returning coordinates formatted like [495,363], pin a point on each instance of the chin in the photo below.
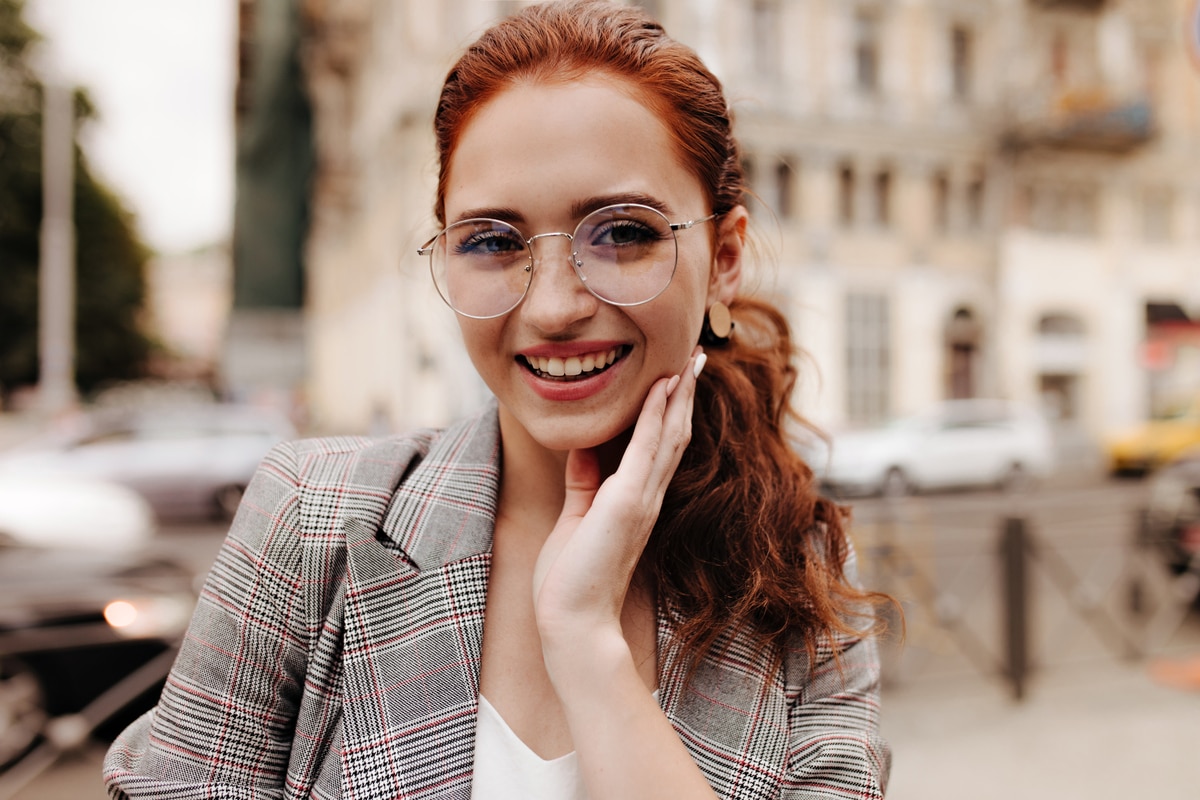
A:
[575,432]
[573,440]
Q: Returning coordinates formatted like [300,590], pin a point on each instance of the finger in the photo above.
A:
[582,482]
[663,428]
[677,418]
[641,452]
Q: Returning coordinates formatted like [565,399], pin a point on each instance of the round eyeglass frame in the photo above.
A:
[427,249]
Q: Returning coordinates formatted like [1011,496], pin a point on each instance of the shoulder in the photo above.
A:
[340,463]
[315,456]
[357,476]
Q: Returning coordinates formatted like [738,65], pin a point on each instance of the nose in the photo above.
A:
[556,298]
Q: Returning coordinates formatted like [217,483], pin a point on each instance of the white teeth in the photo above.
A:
[572,365]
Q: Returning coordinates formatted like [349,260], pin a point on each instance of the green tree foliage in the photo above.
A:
[110,259]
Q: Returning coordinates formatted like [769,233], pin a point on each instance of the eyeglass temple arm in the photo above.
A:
[683,226]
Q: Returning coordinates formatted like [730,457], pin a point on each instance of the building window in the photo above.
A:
[1061,357]
[846,195]
[785,188]
[1060,64]
[1072,209]
[976,201]
[1060,325]
[881,205]
[962,56]
[868,357]
[1081,203]
[866,52]
[962,336]
[1157,209]
[766,33]
[941,202]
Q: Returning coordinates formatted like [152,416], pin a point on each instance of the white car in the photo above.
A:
[186,462]
[956,444]
[69,511]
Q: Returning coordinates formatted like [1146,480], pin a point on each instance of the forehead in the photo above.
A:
[589,136]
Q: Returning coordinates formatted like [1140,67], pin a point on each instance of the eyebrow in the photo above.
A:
[578,209]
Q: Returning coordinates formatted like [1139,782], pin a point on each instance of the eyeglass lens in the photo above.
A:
[624,255]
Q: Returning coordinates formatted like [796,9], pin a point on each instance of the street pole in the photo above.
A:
[56,294]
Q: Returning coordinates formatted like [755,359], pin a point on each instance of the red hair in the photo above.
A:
[743,540]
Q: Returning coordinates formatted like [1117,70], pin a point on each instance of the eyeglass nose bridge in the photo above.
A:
[569,237]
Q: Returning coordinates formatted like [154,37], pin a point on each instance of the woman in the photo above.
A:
[560,597]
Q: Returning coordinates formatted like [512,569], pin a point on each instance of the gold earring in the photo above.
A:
[718,326]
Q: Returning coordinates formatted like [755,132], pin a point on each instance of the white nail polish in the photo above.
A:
[698,367]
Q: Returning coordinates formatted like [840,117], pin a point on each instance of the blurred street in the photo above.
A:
[981,220]
[1093,724]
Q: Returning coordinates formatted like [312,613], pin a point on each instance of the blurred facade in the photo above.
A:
[264,359]
[188,300]
[954,198]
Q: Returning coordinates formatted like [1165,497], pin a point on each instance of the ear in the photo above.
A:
[726,275]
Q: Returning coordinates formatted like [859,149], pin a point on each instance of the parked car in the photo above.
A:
[1173,512]
[186,462]
[83,513]
[958,443]
[1141,449]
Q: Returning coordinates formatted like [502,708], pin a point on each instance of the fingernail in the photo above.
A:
[698,367]
[671,384]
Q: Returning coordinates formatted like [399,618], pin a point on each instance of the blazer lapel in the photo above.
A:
[415,593]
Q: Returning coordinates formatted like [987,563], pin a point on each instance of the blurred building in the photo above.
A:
[188,300]
[956,197]
[264,359]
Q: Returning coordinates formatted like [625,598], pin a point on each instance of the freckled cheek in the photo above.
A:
[483,345]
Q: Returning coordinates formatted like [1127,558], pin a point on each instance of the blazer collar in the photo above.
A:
[444,508]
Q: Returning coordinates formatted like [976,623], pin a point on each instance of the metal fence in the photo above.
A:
[1004,595]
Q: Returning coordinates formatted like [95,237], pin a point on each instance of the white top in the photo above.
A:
[506,769]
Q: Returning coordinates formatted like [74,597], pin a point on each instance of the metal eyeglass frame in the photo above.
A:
[427,250]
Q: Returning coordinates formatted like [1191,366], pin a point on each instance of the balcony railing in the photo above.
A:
[1083,120]
[1081,5]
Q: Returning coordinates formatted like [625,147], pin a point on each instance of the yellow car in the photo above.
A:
[1153,443]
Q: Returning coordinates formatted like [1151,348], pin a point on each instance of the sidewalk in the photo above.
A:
[1100,732]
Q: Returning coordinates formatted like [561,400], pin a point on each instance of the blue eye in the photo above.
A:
[623,232]
[490,243]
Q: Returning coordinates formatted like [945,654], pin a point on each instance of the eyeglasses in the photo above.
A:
[624,254]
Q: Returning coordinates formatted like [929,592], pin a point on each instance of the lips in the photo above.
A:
[576,367]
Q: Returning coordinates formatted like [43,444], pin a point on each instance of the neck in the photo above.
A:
[532,477]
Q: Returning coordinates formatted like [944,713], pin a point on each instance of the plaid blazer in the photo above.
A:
[335,650]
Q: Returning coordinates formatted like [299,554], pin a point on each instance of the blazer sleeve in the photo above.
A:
[224,724]
[835,750]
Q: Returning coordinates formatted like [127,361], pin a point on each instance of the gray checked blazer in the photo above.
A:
[335,649]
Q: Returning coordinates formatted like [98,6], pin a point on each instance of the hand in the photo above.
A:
[584,569]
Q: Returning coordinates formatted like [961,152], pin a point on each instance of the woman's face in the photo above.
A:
[540,157]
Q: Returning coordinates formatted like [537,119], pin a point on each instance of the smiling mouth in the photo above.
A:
[574,368]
